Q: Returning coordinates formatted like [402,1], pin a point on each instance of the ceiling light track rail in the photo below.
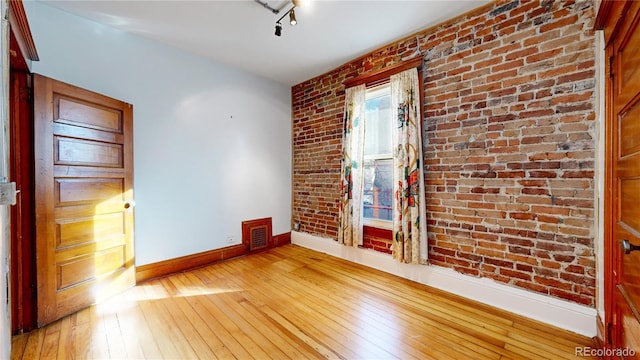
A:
[268,7]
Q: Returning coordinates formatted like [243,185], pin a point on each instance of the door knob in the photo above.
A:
[628,247]
[129,204]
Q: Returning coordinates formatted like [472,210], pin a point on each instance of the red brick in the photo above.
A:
[557,24]
[553,283]
[487,63]
[532,287]
[521,53]
[515,274]
[572,296]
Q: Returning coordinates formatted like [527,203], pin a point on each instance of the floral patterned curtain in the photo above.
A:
[350,218]
[409,224]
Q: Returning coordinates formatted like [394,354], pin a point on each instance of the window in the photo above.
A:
[378,158]
[378,182]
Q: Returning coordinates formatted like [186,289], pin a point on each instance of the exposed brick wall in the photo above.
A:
[377,239]
[509,144]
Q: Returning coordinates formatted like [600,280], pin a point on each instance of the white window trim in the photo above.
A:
[378,91]
[377,223]
[379,157]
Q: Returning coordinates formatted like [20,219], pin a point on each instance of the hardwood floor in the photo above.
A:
[293,303]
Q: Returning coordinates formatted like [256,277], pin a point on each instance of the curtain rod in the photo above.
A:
[379,75]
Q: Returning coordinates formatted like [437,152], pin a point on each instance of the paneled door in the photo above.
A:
[84,197]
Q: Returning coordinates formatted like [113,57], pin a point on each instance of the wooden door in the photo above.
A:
[84,196]
[623,180]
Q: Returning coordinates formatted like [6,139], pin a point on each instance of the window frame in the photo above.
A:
[372,92]
[381,77]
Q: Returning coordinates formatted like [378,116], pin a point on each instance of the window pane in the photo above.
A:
[378,126]
[378,183]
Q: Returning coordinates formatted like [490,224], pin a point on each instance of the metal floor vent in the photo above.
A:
[258,238]
[256,234]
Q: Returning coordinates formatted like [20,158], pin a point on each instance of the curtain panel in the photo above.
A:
[350,214]
[409,223]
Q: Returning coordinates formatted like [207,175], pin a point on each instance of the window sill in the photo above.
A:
[380,224]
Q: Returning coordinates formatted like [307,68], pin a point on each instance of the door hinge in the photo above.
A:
[611,67]
[33,289]
[25,94]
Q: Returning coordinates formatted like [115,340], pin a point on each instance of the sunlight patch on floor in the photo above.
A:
[150,292]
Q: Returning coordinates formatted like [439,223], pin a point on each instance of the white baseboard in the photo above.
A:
[563,314]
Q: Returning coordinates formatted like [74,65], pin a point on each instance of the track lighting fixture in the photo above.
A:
[292,20]
[292,17]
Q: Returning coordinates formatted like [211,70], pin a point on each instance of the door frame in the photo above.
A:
[23,260]
[609,16]
[22,52]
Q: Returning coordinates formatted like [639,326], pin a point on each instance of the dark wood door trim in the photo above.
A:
[609,210]
[22,271]
[20,29]
[22,267]
[604,22]
[613,18]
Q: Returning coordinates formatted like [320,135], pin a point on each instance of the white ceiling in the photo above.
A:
[329,33]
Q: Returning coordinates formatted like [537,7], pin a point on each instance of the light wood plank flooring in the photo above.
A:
[292,303]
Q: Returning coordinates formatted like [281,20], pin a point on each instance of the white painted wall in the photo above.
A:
[212,144]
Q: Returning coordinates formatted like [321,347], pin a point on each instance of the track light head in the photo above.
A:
[291,12]
[292,18]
